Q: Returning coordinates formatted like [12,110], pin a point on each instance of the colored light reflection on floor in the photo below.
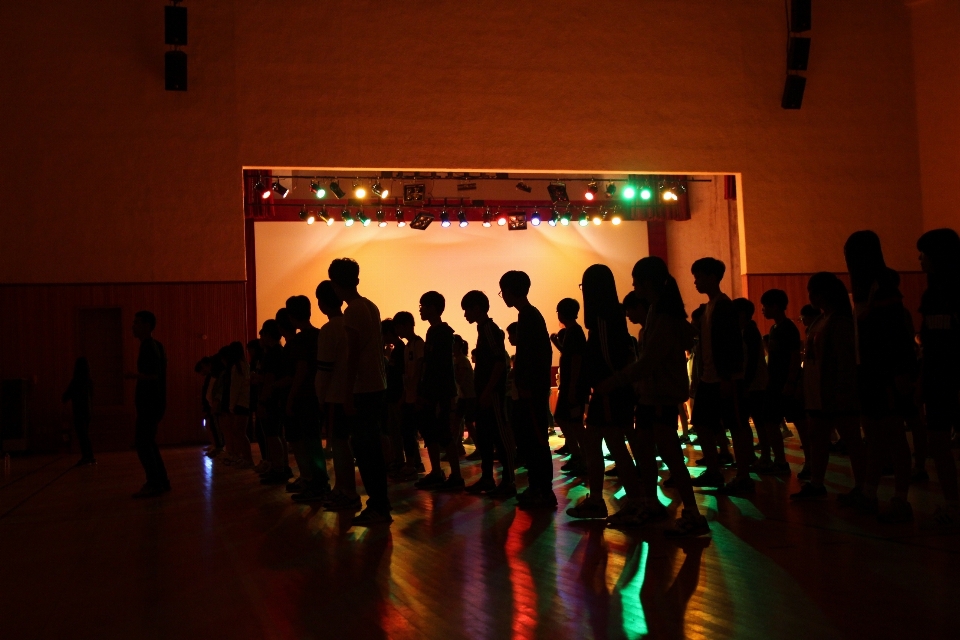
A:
[629,586]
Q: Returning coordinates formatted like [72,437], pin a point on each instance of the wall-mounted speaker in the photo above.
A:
[175,25]
[175,70]
[798,54]
[793,92]
[800,15]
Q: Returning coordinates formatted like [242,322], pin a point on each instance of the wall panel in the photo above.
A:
[40,325]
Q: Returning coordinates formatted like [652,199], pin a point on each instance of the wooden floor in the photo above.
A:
[223,557]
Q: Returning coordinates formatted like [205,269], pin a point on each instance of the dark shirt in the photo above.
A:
[885,339]
[609,348]
[782,343]
[272,363]
[940,337]
[438,381]
[395,367]
[534,357]
[490,351]
[574,344]
[150,398]
[204,404]
[303,348]
[79,394]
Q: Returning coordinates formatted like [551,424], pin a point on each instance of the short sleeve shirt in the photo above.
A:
[363,317]
[782,343]
[490,351]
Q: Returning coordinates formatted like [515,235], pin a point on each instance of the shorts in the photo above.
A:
[562,412]
[715,412]
[612,410]
[943,411]
[650,415]
[435,422]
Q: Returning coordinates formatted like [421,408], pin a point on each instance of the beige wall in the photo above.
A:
[936,62]
[139,184]
[398,265]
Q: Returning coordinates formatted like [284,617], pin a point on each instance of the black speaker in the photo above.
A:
[793,92]
[175,70]
[800,15]
[798,54]
[175,25]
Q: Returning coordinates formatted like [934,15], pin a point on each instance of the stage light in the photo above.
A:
[317,189]
[565,218]
[362,217]
[583,218]
[280,190]
[501,220]
[554,218]
[347,218]
[616,219]
[535,218]
[306,216]
[326,217]
[611,189]
[336,190]
[399,215]
[629,192]
[358,190]
[597,219]
[522,186]
[264,191]
[670,190]
[462,217]
[558,192]
[444,219]
[421,221]
[378,190]
[381,218]
[486,218]
[591,191]
[646,193]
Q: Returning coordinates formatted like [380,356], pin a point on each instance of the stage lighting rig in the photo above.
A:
[444,219]
[359,191]
[279,189]
[535,218]
[611,189]
[336,190]
[462,217]
[346,217]
[399,215]
[591,191]
[381,218]
[558,192]
[522,186]
[317,190]
[378,190]
[487,217]
[362,217]
[262,189]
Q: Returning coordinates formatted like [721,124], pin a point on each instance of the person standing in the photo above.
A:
[150,400]
[366,377]
[571,398]
[531,412]
[80,395]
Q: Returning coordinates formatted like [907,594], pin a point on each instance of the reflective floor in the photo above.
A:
[223,557]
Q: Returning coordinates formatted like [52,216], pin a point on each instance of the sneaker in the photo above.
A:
[611,472]
[920,475]
[432,480]
[803,474]
[899,511]
[453,484]
[309,496]
[342,502]
[504,491]
[370,517]
[725,459]
[629,515]
[483,485]
[296,486]
[857,499]
[690,524]
[540,500]
[945,517]
[148,491]
[738,486]
[808,491]
[707,479]
[588,508]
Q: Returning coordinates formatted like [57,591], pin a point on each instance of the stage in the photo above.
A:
[223,557]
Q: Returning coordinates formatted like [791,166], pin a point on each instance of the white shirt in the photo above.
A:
[332,362]
[363,317]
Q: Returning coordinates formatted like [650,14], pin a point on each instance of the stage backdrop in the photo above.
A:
[398,265]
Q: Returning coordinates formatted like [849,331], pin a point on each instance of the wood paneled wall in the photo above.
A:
[39,325]
[912,285]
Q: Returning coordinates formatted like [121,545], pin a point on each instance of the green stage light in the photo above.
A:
[646,193]
[629,192]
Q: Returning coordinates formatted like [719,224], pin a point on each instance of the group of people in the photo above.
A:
[373,388]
